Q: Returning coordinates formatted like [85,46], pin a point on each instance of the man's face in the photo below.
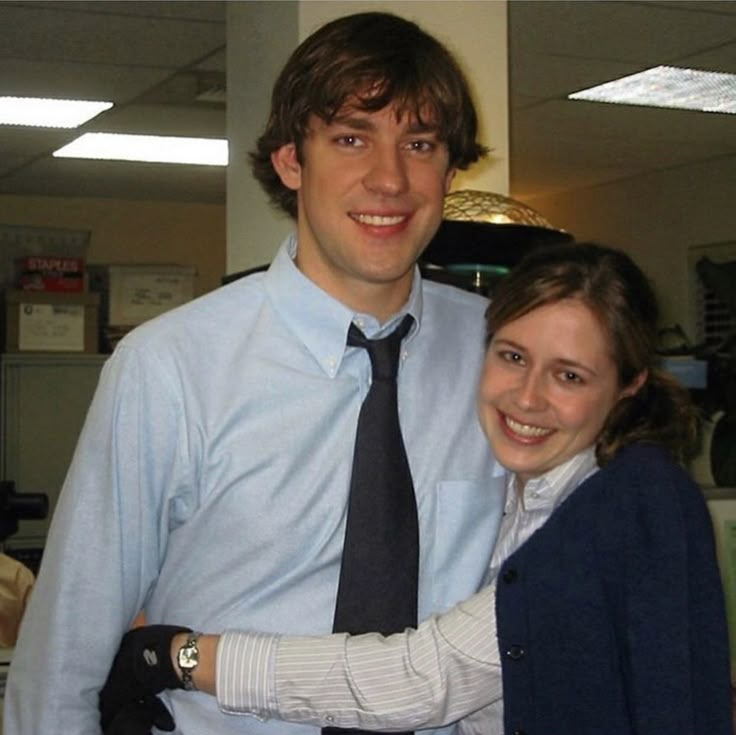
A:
[370,193]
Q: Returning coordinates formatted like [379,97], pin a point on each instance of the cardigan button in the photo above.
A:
[516,652]
[510,576]
[519,732]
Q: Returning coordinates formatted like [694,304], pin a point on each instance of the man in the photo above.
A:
[210,483]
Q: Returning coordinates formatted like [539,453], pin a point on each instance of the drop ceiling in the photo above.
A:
[163,64]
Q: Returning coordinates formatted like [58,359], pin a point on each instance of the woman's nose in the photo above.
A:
[530,395]
[387,173]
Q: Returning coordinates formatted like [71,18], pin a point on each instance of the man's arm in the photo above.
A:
[86,593]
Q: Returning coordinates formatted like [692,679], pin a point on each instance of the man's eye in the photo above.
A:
[422,146]
[349,141]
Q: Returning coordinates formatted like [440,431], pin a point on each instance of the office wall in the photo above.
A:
[133,231]
[656,218]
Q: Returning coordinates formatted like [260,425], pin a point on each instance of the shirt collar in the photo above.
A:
[320,321]
[554,486]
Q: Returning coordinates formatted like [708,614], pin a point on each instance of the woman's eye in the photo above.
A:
[513,357]
[570,377]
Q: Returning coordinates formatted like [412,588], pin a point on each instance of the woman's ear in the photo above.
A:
[286,164]
[635,385]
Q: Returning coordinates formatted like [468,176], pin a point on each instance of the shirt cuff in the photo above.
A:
[245,673]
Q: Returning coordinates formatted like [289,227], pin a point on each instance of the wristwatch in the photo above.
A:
[188,660]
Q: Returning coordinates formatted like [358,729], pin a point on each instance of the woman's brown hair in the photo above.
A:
[615,289]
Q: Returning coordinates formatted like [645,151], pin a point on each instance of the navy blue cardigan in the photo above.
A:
[611,616]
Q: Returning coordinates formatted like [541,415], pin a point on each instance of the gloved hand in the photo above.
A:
[141,669]
[139,718]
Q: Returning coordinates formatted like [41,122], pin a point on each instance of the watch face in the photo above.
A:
[188,656]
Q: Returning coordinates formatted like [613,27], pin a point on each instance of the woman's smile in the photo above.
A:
[522,431]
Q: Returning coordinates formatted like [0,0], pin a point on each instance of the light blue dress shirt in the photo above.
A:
[209,486]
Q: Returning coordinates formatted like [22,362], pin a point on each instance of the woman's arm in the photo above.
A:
[677,641]
[444,670]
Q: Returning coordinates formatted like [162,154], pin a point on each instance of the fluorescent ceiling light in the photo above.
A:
[150,148]
[48,113]
[668,86]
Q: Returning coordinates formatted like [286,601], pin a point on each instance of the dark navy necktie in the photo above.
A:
[380,559]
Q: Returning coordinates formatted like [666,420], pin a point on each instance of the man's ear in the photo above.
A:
[286,164]
[449,176]
[635,385]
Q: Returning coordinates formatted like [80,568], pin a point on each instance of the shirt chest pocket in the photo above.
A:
[458,542]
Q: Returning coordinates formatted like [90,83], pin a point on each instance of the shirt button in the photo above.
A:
[510,576]
[516,652]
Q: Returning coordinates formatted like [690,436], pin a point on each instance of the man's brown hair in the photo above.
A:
[366,61]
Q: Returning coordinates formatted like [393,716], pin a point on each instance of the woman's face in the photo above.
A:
[548,385]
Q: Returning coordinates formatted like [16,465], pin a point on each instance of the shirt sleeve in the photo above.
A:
[101,556]
[445,669]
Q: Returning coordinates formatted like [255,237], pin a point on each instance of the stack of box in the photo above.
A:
[50,311]
[134,293]
[50,273]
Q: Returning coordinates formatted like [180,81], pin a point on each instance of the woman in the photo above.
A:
[609,614]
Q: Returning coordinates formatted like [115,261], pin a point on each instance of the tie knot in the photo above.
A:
[383,352]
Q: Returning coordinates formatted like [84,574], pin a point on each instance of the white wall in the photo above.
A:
[260,36]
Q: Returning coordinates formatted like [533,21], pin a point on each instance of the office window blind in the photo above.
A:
[712,319]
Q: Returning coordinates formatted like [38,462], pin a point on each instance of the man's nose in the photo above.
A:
[387,174]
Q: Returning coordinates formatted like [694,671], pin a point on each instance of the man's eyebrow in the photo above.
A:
[423,126]
[354,121]
[359,122]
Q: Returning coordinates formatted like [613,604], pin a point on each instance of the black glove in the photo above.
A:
[141,669]
[139,718]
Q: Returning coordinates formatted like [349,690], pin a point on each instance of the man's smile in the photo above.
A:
[379,220]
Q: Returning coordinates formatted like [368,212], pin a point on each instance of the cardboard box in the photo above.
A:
[132,294]
[19,241]
[46,321]
[50,273]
